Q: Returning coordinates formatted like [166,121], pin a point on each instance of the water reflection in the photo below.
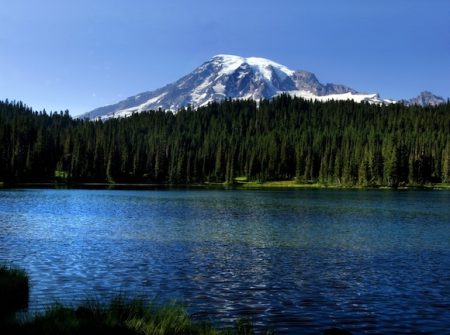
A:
[369,261]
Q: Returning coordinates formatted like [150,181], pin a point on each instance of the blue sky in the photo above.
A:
[82,54]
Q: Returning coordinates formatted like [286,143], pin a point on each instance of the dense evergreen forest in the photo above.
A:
[336,142]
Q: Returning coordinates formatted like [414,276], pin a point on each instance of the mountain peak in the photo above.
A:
[426,98]
[231,63]
[236,77]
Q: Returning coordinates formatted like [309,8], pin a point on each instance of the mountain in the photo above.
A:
[229,76]
[426,99]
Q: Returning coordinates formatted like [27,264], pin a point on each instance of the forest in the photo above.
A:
[334,143]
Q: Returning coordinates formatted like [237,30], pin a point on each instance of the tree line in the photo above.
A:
[335,142]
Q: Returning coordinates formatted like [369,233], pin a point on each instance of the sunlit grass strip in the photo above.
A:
[14,290]
[122,316]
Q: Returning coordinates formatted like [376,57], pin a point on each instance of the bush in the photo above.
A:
[14,290]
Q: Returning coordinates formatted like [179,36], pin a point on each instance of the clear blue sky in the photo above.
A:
[82,54]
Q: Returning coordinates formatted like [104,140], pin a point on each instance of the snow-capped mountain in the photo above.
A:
[228,76]
[426,99]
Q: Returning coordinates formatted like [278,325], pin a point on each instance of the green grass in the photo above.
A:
[120,316]
[293,183]
[440,186]
[14,290]
[60,174]
[242,182]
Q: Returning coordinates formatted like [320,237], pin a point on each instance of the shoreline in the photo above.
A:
[281,184]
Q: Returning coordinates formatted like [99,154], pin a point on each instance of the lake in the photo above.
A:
[372,261]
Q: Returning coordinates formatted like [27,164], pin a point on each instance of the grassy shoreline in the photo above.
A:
[294,184]
[239,183]
[120,316]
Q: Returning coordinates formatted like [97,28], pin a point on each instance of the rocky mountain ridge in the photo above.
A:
[229,76]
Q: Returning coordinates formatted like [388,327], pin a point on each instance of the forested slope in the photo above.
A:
[332,142]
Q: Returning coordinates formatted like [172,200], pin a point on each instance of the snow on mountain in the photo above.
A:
[230,63]
[425,99]
[357,97]
[229,76]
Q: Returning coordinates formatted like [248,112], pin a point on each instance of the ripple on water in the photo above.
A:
[367,261]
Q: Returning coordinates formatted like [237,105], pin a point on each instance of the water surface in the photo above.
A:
[372,261]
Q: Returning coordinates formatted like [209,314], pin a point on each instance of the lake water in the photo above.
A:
[373,261]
